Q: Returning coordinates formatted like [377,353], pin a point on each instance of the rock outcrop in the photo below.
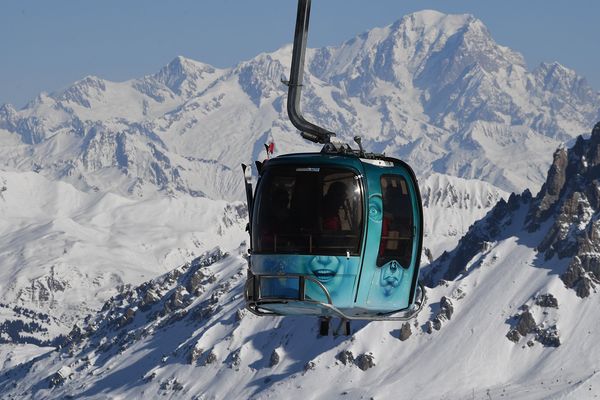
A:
[566,211]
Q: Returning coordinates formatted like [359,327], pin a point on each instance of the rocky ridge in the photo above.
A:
[561,221]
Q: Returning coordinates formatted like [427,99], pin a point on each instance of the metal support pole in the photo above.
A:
[307,129]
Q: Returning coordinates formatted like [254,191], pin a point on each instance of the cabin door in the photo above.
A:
[389,259]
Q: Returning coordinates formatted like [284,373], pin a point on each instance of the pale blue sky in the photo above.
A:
[46,45]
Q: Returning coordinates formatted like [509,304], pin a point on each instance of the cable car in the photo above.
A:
[333,234]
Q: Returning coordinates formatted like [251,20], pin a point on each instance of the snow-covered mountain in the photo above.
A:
[82,167]
[557,231]
[561,224]
[106,185]
[64,251]
[434,89]
[450,206]
[505,322]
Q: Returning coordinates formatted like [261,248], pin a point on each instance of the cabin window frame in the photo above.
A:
[360,211]
[384,241]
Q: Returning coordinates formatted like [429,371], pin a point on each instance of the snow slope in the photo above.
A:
[64,252]
[205,347]
[450,206]
[503,324]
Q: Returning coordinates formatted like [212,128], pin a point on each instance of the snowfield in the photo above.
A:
[64,251]
[211,348]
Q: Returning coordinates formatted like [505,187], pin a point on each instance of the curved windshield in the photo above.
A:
[308,210]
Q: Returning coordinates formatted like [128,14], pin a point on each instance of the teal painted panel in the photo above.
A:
[385,288]
[336,273]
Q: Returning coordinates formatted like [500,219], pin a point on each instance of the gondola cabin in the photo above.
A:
[335,235]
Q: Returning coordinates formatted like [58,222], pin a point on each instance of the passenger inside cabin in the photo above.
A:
[332,202]
[396,236]
[278,218]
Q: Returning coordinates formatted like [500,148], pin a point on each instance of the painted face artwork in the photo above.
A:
[330,271]
[336,274]
[387,285]
[390,277]
[325,268]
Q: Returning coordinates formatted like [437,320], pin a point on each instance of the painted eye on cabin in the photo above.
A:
[375,208]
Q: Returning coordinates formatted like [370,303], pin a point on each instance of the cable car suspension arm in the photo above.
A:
[307,129]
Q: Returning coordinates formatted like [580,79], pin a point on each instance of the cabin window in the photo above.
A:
[308,210]
[397,230]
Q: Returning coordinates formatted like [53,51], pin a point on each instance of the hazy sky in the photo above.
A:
[46,45]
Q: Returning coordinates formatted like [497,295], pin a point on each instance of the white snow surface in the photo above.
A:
[450,206]
[64,251]
[228,355]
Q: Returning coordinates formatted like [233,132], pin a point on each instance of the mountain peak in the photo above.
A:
[82,91]
[181,73]
[187,65]
[557,78]
[424,40]
[554,71]
[437,20]
[7,108]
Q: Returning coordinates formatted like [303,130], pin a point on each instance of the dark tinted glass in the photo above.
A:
[308,210]
[397,226]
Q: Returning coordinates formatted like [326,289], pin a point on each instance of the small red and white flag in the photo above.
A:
[270,148]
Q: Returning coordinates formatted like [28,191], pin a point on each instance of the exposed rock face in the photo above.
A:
[172,385]
[446,308]
[236,359]
[513,335]
[546,300]
[433,324]
[444,314]
[549,337]
[549,194]
[309,366]
[127,317]
[60,377]
[239,315]
[274,360]
[405,331]
[195,354]
[567,208]
[211,358]
[526,324]
[195,283]
[365,361]
[575,232]
[346,357]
